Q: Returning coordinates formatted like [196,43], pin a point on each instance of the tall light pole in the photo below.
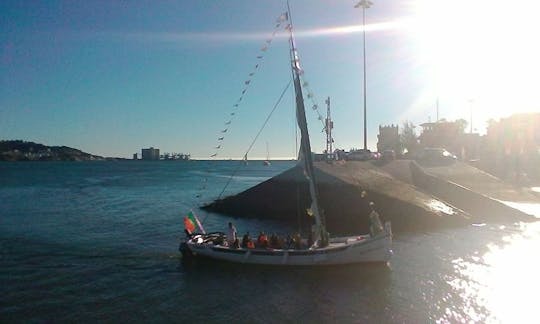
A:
[471,102]
[365,4]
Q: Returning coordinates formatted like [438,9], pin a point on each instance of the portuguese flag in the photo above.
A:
[191,222]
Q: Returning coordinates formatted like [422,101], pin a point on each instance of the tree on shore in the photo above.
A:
[408,138]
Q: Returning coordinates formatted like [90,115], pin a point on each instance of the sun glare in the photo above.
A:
[341,30]
[484,51]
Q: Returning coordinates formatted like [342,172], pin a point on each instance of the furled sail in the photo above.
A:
[320,234]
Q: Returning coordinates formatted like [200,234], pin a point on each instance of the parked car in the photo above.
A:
[388,155]
[359,155]
[436,155]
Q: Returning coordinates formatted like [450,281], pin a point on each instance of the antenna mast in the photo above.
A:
[329,124]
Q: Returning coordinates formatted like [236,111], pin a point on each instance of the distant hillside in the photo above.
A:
[29,151]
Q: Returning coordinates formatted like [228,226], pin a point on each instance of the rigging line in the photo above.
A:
[256,137]
[251,145]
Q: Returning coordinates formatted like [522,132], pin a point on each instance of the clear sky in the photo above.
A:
[112,77]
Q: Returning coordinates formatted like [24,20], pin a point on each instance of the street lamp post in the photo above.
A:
[471,102]
[365,4]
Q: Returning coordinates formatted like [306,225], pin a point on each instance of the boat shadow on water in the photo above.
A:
[366,274]
[288,293]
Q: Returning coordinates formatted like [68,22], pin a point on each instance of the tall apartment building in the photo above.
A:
[150,154]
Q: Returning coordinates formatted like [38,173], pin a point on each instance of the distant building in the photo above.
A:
[517,134]
[441,134]
[135,157]
[513,146]
[444,134]
[150,154]
[388,139]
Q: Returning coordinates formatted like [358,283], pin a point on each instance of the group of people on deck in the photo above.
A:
[263,241]
[291,242]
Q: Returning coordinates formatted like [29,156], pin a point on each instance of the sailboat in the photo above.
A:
[267,161]
[323,250]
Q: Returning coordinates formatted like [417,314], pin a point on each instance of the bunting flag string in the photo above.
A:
[263,50]
[314,105]
[310,94]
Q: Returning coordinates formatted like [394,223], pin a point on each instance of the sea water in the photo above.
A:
[98,241]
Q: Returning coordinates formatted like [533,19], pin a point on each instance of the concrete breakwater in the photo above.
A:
[403,192]
[484,203]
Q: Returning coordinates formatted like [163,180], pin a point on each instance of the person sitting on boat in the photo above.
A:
[289,242]
[375,227]
[231,234]
[297,239]
[262,240]
[274,242]
[245,240]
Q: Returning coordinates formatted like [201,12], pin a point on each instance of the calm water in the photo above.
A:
[98,242]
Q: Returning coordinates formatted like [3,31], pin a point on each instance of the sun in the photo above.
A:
[479,51]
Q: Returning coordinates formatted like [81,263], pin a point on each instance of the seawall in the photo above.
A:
[346,188]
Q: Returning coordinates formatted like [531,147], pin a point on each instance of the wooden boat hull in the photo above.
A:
[343,250]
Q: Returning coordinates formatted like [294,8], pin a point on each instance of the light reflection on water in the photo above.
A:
[502,284]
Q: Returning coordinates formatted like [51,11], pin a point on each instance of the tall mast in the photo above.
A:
[320,235]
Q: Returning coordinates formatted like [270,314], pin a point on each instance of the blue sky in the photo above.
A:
[112,77]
